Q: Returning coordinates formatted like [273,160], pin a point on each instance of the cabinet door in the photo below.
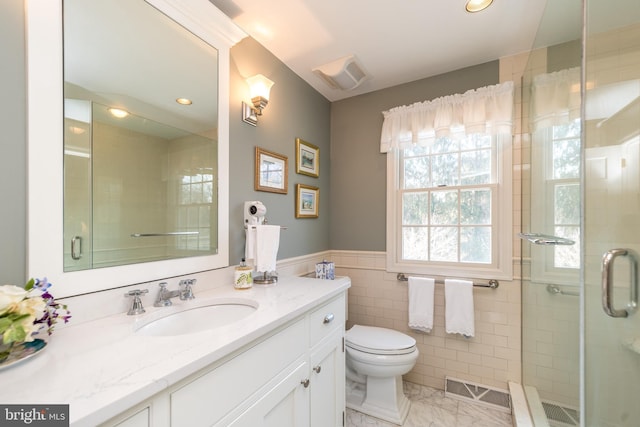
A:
[327,382]
[139,419]
[286,405]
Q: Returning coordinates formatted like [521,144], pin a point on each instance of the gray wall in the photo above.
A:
[13,165]
[564,55]
[295,110]
[358,169]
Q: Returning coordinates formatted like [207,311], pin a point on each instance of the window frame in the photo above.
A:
[502,221]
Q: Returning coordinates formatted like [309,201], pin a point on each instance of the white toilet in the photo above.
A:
[376,360]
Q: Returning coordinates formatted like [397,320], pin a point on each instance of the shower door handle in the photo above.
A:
[76,247]
[607,282]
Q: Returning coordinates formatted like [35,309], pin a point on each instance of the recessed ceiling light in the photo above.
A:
[117,112]
[184,101]
[76,130]
[477,5]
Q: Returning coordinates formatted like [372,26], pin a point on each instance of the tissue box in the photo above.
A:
[326,270]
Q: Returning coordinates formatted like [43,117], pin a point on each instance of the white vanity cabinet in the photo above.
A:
[312,392]
[292,376]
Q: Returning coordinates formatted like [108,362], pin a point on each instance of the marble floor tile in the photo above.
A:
[430,408]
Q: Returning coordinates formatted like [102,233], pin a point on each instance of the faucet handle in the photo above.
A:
[186,290]
[136,306]
[162,300]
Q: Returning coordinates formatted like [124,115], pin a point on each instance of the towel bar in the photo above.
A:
[493,284]
[170,233]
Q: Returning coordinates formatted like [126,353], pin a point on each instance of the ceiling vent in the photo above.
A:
[344,73]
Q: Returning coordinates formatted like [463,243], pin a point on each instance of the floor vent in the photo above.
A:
[476,393]
[560,416]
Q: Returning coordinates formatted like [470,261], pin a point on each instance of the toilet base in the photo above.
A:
[380,397]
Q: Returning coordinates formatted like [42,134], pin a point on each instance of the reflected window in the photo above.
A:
[194,210]
[563,181]
[555,199]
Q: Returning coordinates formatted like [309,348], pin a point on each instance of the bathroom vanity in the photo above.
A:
[282,365]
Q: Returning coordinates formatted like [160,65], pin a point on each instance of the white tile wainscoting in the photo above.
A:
[492,357]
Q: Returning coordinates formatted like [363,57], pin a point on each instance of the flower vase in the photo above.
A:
[12,354]
[5,351]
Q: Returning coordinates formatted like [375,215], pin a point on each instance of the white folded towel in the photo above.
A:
[421,303]
[250,244]
[267,242]
[459,317]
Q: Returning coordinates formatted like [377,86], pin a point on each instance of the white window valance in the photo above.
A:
[485,110]
[555,98]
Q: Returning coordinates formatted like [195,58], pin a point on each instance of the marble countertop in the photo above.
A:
[102,367]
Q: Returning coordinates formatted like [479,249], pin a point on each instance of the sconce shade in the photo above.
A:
[259,89]
[259,86]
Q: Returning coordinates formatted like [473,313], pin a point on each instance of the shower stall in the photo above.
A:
[581,215]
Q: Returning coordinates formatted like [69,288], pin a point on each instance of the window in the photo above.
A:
[452,199]
[555,206]
[449,162]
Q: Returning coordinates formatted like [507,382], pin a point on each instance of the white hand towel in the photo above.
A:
[421,303]
[458,298]
[267,242]
[250,244]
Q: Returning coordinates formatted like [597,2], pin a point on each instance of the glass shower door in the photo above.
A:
[611,213]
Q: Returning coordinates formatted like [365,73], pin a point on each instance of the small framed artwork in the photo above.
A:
[271,172]
[307,158]
[307,201]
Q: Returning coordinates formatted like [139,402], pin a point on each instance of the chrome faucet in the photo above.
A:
[184,293]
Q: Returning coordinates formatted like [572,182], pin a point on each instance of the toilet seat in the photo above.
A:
[374,340]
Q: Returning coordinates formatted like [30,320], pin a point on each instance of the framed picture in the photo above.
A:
[307,201]
[307,158]
[271,172]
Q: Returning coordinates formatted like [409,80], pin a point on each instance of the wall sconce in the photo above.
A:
[259,87]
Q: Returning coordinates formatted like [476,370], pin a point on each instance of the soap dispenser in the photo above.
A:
[242,278]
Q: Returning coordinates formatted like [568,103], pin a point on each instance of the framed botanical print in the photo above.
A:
[271,172]
[307,158]
[307,201]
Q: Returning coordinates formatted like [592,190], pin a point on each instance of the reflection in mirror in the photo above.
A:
[140,137]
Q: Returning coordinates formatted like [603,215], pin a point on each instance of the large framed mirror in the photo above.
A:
[117,201]
[140,136]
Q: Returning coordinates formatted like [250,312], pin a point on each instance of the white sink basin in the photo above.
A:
[196,318]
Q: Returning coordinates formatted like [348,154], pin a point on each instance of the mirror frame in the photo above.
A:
[45,149]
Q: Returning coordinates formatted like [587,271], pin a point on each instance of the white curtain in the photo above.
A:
[484,110]
[555,98]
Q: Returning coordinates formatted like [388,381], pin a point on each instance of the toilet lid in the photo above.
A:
[375,340]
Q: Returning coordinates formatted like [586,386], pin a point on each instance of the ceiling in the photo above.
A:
[398,41]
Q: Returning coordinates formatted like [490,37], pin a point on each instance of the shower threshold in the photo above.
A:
[545,413]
